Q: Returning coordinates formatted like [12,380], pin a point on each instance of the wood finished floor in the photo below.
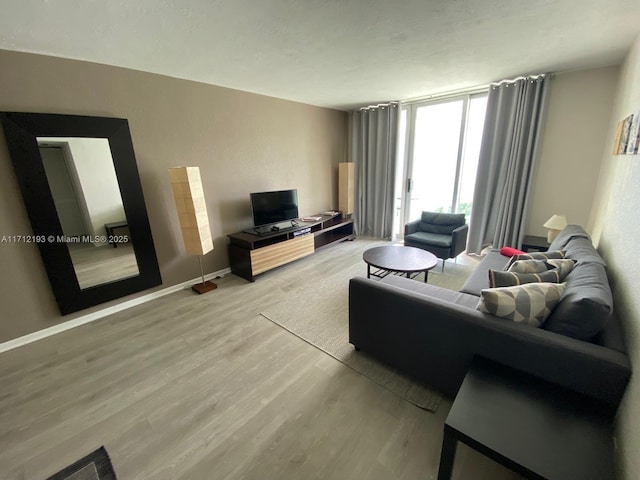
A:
[202,387]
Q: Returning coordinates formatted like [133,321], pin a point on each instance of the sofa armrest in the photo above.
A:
[412,227]
[435,341]
[459,240]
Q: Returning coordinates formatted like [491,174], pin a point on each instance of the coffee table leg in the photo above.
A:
[447,455]
[426,276]
[368,271]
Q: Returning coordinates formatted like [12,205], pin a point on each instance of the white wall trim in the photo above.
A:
[76,322]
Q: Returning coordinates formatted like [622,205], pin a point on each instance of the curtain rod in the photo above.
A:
[523,77]
[454,93]
[380,105]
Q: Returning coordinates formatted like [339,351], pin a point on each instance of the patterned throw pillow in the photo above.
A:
[509,279]
[528,266]
[530,304]
[564,266]
[535,256]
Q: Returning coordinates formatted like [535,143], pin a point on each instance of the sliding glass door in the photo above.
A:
[438,153]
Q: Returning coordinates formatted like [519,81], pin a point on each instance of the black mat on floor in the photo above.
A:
[95,466]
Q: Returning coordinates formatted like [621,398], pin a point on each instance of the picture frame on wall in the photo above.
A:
[634,135]
[624,139]
[618,137]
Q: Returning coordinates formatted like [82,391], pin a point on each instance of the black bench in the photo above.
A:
[537,429]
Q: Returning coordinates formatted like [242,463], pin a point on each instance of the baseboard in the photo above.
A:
[76,322]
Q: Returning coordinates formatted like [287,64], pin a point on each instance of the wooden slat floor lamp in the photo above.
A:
[192,213]
[345,188]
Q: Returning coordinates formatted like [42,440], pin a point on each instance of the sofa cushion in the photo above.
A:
[498,278]
[565,235]
[442,223]
[582,250]
[452,296]
[427,238]
[586,304]
[530,304]
[478,280]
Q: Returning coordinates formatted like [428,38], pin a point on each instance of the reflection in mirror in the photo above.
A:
[85,191]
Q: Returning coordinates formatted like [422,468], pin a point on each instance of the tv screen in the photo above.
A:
[274,207]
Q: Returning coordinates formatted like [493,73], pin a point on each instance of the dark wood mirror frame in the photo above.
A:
[21,132]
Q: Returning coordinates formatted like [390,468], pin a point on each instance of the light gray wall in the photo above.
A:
[97,178]
[242,143]
[616,227]
[578,115]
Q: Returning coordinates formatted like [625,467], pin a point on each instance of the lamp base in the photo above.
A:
[552,234]
[204,287]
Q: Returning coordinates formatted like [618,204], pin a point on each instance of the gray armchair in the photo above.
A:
[443,234]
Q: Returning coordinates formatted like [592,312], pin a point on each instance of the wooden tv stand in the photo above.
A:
[251,254]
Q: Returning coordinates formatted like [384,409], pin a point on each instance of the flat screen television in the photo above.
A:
[269,208]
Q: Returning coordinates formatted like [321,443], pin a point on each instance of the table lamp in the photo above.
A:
[555,224]
[192,213]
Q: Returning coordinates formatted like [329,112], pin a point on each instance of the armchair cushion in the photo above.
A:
[441,223]
[431,239]
[412,227]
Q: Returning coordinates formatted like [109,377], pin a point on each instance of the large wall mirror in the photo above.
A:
[79,180]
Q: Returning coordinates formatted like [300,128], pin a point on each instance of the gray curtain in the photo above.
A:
[508,156]
[374,133]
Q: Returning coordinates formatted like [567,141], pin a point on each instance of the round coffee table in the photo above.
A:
[398,259]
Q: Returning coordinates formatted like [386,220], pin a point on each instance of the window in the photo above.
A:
[438,149]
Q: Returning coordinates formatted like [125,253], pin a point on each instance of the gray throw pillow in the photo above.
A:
[530,304]
[528,266]
[564,266]
[536,256]
[510,279]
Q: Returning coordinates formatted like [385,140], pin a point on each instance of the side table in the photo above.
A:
[111,227]
[537,429]
[537,244]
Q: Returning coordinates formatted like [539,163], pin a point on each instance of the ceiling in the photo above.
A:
[331,53]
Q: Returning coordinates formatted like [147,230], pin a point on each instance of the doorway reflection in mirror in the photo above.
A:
[84,186]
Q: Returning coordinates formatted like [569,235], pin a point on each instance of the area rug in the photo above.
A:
[320,318]
[95,466]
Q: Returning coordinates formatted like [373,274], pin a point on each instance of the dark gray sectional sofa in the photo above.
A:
[432,334]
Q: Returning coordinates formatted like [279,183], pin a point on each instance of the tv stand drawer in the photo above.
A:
[272,256]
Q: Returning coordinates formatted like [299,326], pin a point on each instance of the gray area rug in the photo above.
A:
[95,466]
[324,324]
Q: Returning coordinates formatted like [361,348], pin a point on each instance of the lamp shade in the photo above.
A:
[192,209]
[556,222]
